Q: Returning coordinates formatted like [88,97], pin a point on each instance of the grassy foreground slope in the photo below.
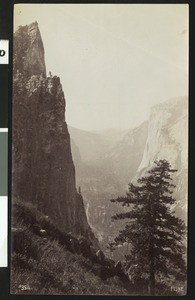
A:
[45,262]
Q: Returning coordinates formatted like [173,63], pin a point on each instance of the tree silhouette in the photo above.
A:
[155,234]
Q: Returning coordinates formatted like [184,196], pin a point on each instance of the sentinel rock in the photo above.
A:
[43,170]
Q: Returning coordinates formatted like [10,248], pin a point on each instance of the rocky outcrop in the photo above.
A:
[43,170]
[168,139]
[29,51]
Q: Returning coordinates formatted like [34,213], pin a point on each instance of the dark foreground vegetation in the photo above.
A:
[156,235]
[47,261]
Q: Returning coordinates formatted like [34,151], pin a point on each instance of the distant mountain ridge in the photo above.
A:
[92,145]
[163,136]
[108,174]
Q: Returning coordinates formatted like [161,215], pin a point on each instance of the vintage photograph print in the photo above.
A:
[100,149]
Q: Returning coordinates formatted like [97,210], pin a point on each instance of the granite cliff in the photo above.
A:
[43,169]
[168,139]
[163,136]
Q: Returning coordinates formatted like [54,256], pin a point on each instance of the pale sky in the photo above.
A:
[115,61]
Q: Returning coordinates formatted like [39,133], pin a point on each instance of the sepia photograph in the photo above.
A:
[100,149]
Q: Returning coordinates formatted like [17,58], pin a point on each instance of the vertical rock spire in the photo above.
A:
[29,57]
[43,170]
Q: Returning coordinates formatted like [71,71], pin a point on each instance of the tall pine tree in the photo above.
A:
[155,234]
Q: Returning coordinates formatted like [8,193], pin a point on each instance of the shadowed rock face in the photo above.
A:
[43,170]
[29,51]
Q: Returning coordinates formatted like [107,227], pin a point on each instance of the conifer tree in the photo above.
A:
[155,234]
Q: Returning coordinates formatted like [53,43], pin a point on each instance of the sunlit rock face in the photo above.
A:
[168,139]
[43,169]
